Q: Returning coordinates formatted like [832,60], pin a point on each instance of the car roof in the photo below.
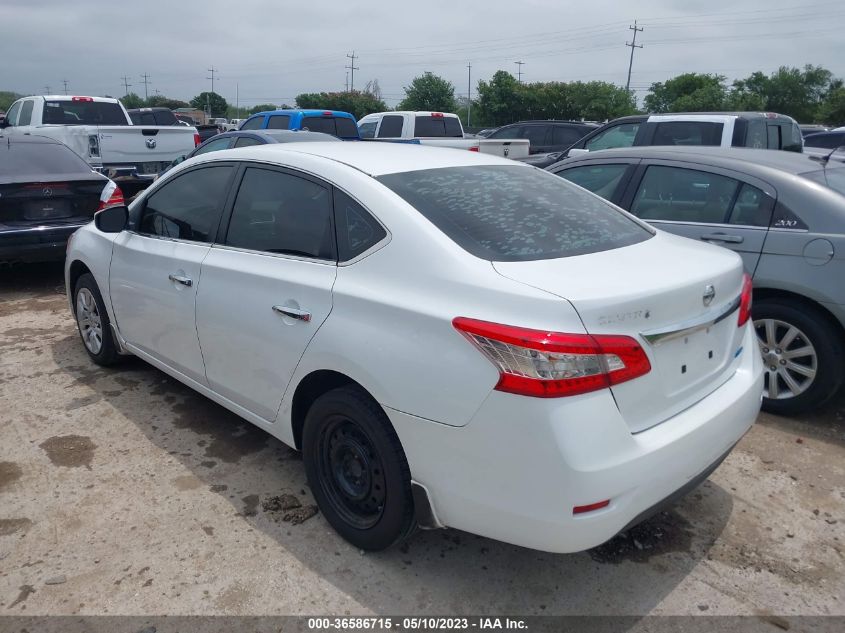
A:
[28,139]
[373,158]
[552,121]
[290,136]
[743,158]
[305,112]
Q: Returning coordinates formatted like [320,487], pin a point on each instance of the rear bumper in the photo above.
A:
[35,244]
[517,470]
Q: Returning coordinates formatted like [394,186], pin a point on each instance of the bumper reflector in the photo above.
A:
[589,508]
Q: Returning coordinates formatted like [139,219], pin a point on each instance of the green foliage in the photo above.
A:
[355,102]
[499,100]
[800,93]
[832,110]
[262,107]
[216,104]
[429,92]
[690,92]
[131,101]
[7,99]
[600,101]
[160,101]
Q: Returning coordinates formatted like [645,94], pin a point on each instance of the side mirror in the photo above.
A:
[112,219]
[3,123]
[577,151]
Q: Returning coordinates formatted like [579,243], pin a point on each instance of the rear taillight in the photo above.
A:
[745,300]
[553,364]
[93,145]
[112,196]
[437,115]
[197,140]
[473,149]
[86,99]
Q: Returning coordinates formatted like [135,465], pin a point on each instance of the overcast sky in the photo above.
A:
[268,51]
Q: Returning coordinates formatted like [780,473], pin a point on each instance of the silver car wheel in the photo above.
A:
[789,357]
[88,319]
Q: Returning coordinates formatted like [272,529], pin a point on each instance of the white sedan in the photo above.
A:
[451,339]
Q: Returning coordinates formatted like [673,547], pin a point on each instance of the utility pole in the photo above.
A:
[64,81]
[633,45]
[519,71]
[47,89]
[352,67]
[346,89]
[469,90]
[145,79]
[237,101]
[212,70]
[126,84]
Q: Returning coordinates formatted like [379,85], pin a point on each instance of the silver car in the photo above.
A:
[783,212]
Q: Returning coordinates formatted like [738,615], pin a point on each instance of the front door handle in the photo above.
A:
[722,237]
[293,313]
[181,279]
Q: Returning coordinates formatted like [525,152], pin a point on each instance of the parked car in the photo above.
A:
[568,369]
[784,213]
[760,130]
[46,192]
[486,132]
[545,136]
[806,129]
[827,140]
[334,122]
[231,140]
[101,132]
[233,124]
[434,128]
[153,116]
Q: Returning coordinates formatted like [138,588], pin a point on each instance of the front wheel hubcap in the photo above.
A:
[89,321]
[790,357]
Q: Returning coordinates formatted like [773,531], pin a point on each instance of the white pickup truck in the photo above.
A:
[434,128]
[101,132]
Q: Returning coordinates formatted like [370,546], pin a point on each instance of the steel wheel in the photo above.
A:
[89,321]
[351,473]
[790,359]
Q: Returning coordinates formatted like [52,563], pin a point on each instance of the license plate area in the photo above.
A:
[148,169]
[47,210]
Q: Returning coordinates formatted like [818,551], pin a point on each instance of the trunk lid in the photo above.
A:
[654,291]
[50,203]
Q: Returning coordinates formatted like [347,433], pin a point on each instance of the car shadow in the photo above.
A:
[440,571]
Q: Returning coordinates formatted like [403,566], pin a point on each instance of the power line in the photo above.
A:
[145,79]
[633,45]
[212,70]
[519,66]
[352,67]
[126,84]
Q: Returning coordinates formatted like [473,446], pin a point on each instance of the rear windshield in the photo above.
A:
[433,126]
[832,178]
[336,126]
[515,213]
[688,133]
[40,159]
[83,113]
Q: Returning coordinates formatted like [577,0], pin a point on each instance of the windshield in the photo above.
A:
[515,213]
[83,113]
[832,178]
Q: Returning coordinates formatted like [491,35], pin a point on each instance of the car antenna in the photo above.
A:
[826,159]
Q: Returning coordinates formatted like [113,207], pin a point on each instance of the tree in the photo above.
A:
[214,102]
[690,92]
[132,100]
[263,107]
[7,99]
[499,100]
[430,93]
[160,101]
[799,93]
[600,101]
[832,109]
[355,102]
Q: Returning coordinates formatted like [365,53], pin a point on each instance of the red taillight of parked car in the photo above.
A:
[745,301]
[115,198]
[197,139]
[474,149]
[545,364]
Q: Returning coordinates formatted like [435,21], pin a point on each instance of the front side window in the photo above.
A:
[391,126]
[12,114]
[621,135]
[213,146]
[277,212]
[515,213]
[357,230]
[279,122]
[187,207]
[688,133]
[684,195]
[602,180]
[254,123]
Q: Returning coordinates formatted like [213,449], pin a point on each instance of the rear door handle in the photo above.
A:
[293,313]
[722,237]
[181,279]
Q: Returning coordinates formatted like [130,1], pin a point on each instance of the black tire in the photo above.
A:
[357,469]
[107,353]
[821,333]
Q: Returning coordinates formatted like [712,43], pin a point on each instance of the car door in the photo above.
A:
[606,177]
[710,204]
[155,268]
[266,286]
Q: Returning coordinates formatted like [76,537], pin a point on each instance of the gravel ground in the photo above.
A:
[123,492]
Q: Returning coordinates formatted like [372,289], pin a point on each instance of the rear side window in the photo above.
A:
[433,126]
[622,135]
[357,230]
[391,126]
[684,195]
[254,123]
[514,213]
[368,129]
[602,180]
[39,159]
[346,128]
[214,146]
[278,122]
[83,113]
[246,141]
[688,133]
[277,212]
[187,207]
[565,135]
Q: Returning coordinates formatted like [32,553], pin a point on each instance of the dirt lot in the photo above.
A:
[123,492]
